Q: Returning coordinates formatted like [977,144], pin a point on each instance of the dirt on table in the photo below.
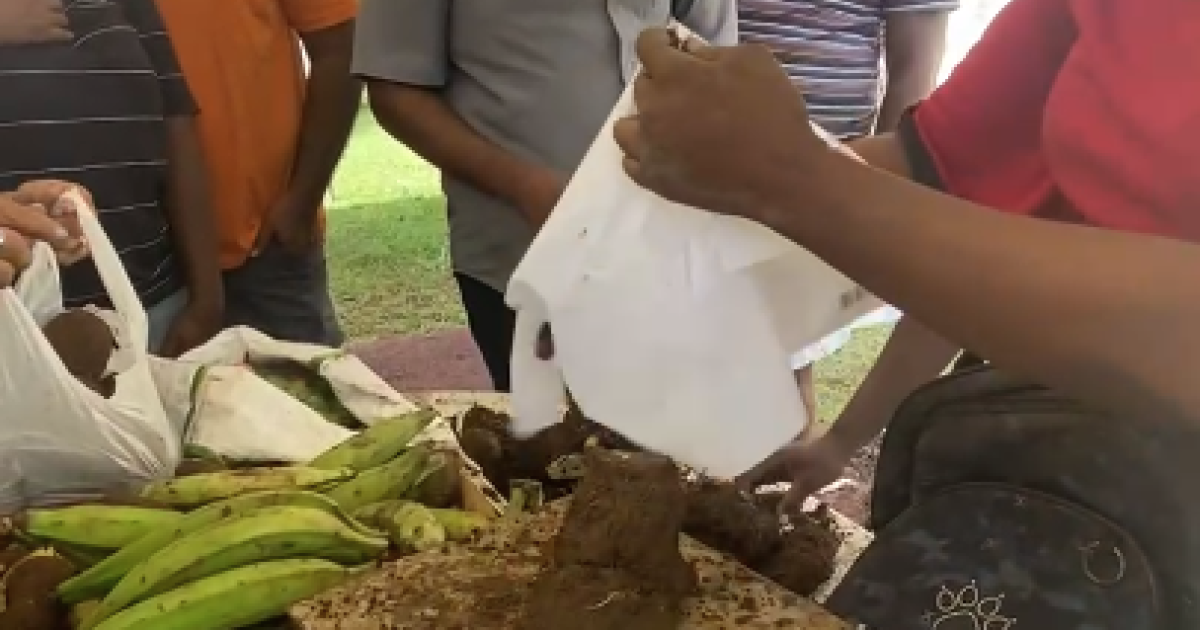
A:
[616,559]
[593,598]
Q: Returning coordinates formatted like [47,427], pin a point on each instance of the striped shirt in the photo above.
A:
[92,112]
[834,49]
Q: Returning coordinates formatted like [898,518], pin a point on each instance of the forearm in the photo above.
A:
[1107,316]
[884,152]
[420,118]
[332,102]
[915,45]
[190,215]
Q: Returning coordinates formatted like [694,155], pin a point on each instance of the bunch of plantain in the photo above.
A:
[376,445]
[93,526]
[277,544]
[415,527]
[392,480]
[235,599]
[208,487]
[99,580]
[410,526]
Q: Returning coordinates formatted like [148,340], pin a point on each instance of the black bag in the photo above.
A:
[1001,505]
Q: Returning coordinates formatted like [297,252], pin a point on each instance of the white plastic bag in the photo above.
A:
[223,405]
[60,440]
[671,325]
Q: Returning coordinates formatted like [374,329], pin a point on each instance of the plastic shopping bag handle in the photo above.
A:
[112,272]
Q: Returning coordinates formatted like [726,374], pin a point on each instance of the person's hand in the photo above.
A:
[33,22]
[536,194]
[22,224]
[715,126]
[809,467]
[294,225]
[50,196]
[193,326]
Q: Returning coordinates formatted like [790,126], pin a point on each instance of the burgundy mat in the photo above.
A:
[442,361]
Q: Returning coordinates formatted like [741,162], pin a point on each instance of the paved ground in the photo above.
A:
[442,361]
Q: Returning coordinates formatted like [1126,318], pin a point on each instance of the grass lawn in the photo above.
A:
[390,269]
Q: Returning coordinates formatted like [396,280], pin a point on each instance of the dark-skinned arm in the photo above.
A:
[914,47]
[1132,344]
[402,50]
[186,200]
[189,213]
[333,96]
[988,88]
[420,118]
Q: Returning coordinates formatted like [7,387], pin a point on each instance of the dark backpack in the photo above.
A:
[999,504]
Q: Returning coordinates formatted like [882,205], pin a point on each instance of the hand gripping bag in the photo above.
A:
[59,440]
[671,325]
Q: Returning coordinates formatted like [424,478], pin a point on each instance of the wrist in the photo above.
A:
[849,434]
[801,196]
[206,301]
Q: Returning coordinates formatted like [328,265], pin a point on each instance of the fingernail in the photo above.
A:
[61,234]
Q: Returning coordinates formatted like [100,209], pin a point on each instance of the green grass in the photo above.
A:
[389,264]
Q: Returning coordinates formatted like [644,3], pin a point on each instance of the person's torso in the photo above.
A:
[91,112]
[538,78]
[832,48]
[1121,128]
[243,62]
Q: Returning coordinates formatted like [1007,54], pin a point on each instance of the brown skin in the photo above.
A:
[33,22]
[331,104]
[1133,346]
[189,214]
[24,219]
[915,44]
[420,118]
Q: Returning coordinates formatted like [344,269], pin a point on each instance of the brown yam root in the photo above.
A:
[486,440]
[726,519]
[85,344]
[30,593]
[617,563]
[627,514]
[806,560]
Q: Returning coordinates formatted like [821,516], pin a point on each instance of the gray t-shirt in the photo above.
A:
[537,77]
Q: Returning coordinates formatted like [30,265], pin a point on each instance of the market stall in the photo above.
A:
[309,492]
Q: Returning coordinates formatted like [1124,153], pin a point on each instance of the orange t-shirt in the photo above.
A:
[243,62]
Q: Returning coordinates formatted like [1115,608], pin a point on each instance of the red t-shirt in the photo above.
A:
[1081,110]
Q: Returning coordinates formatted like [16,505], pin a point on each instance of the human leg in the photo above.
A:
[492,323]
